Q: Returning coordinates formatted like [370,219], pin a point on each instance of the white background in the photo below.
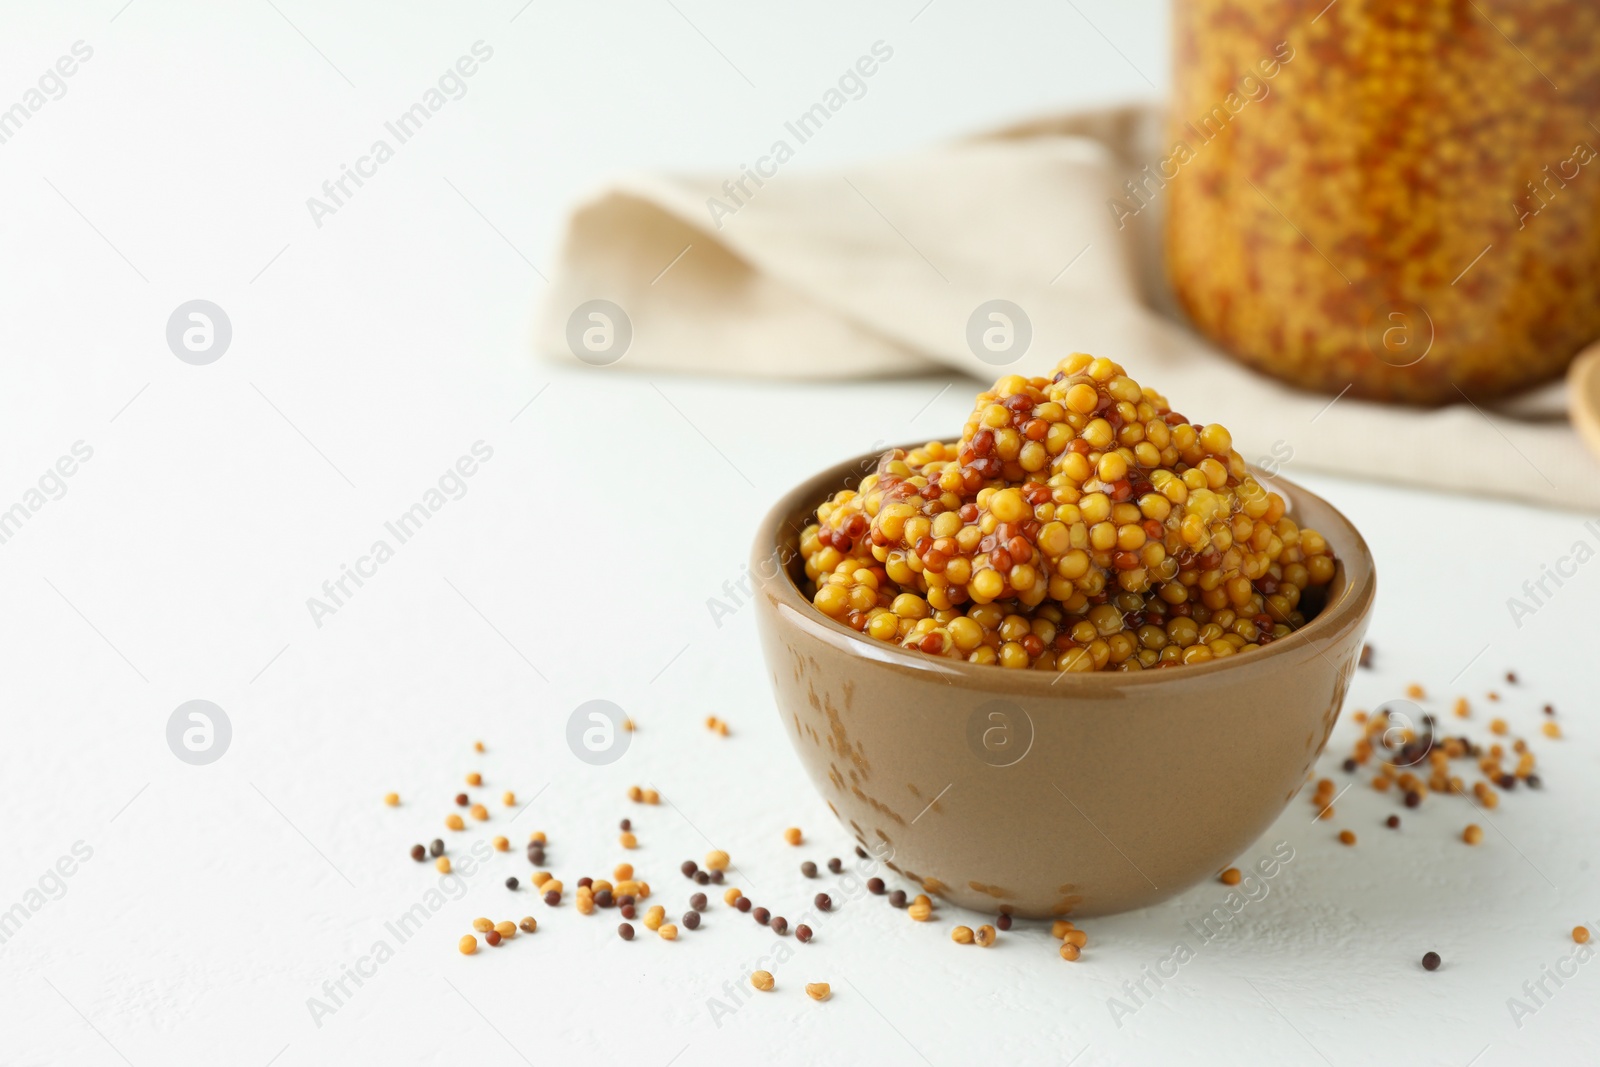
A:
[367,355]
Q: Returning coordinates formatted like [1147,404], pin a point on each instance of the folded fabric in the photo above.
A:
[881,269]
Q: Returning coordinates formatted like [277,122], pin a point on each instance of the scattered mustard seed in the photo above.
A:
[627,840]
[635,794]
[622,872]
[962,935]
[763,981]
[479,812]
[506,928]
[477,746]
[1472,834]
[1551,729]
[716,860]
[1347,837]
[654,917]
[668,932]
[529,924]
[392,799]
[1580,934]
[468,945]
[501,844]
[920,912]
[1069,951]
[1415,691]
[442,864]
[481,924]
[453,822]
[819,990]
[509,799]
[1231,876]
[792,835]
[985,936]
[474,778]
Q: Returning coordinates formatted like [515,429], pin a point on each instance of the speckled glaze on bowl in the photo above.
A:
[1041,794]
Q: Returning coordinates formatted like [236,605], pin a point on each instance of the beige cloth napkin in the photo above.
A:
[875,270]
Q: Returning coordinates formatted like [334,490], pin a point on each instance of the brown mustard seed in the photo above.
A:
[818,990]
[605,899]
[962,935]
[985,936]
[552,898]
[474,778]
[1472,834]
[1392,822]
[625,910]
[436,847]
[688,867]
[1580,934]
[625,931]
[468,945]
[897,898]
[419,853]
[1430,961]
[1230,876]
[761,915]
[529,924]
[875,886]
[780,925]
[808,869]
[823,902]
[691,920]
[698,902]
[1003,922]
[512,883]
[493,937]
[1366,657]
[763,981]
[802,932]
[462,800]
[1069,951]
[836,865]
[792,835]
[706,878]
[743,904]
[1347,837]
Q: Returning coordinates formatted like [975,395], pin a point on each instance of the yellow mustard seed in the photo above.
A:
[529,924]
[1059,928]
[654,917]
[1069,951]
[1415,691]
[961,935]
[506,928]
[1076,937]
[474,778]
[819,990]
[442,864]
[468,945]
[635,794]
[763,981]
[628,840]
[652,797]
[1498,727]
[985,935]
[731,895]
[622,872]
[716,860]
[920,912]
[668,932]
[477,746]
[1472,834]
[453,822]
[536,838]
[628,726]
[1347,837]
[501,844]
[792,835]
[585,903]
[479,812]
[1230,876]
[722,729]
[509,799]
[1580,934]
[711,722]
[392,799]
[1462,708]
[1551,730]
[482,925]
[540,878]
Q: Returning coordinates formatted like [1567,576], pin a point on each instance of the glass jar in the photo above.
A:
[1401,199]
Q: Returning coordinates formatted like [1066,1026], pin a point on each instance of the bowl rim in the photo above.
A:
[1351,597]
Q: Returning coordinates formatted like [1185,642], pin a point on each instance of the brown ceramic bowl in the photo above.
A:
[1041,794]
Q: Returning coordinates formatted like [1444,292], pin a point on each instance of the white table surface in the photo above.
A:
[372,352]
